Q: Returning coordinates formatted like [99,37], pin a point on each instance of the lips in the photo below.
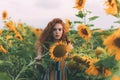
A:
[57,35]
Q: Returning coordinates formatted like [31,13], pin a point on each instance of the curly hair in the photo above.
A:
[47,34]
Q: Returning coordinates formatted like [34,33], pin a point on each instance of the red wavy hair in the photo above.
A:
[47,34]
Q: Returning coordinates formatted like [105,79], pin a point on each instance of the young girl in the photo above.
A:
[54,32]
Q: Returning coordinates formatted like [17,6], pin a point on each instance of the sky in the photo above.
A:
[38,13]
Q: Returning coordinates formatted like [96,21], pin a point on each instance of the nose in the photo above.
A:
[57,31]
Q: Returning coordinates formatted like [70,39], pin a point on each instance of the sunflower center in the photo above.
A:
[110,1]
[80,2]
[84,31]
[4,15]
[18,37]
[59,51]
[117,42]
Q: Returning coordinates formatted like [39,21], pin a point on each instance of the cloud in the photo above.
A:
[49,4]
[38,13]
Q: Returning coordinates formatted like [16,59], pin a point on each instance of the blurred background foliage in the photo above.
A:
[90,59]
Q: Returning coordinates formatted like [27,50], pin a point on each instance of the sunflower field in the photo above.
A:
[95,54]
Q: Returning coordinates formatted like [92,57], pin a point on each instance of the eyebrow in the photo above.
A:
[57,28]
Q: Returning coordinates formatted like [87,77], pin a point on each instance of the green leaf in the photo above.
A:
[108,62]
[117,22]
[4,76]
[93,18]
[117,15]
[77,22]
[80,14]
[5,63]
[90,25]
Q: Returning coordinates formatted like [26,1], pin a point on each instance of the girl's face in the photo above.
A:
[57,31]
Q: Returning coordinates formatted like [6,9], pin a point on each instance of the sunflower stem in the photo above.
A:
[84,18]
[45,55]
[91,44]
[24,68]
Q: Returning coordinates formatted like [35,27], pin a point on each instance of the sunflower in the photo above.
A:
[115,77]
[37,31]
[1,31]
[73,65]
[67,25]
[2,49]
[111,7]
[8,37]
[84,31]
[58,51]
[79,4]
[99,51]
[92,70]
[107,72]
[112,44]
[77,58]
[82,60]
[118,6]
[18,36]
[10,25]
[20,26]
[4,15]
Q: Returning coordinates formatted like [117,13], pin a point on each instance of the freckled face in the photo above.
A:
[57,31]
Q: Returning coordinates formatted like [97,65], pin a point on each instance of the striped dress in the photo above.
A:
[56,73]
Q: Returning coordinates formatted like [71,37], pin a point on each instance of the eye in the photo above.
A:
[57,29]
[60,29]
[54,29]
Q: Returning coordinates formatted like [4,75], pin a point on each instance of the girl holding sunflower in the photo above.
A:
[54,33]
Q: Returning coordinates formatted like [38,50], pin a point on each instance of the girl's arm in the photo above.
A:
[39,53]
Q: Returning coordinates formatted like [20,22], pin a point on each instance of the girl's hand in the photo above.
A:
[38,58]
